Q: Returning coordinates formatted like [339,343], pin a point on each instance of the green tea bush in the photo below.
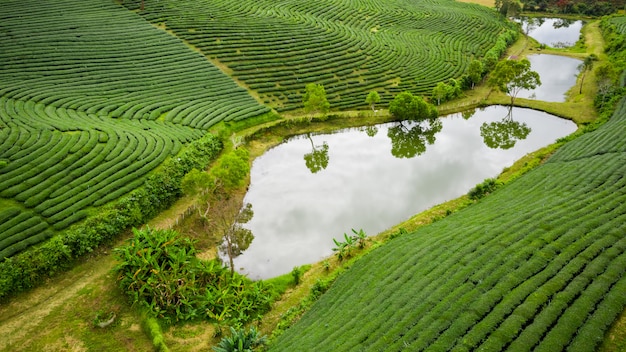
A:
[160,190]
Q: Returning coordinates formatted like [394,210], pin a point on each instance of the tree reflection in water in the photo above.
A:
[318,158]
[409,140]
[504,134]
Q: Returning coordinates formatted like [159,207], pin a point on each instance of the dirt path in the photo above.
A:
[59,315]
[26,316]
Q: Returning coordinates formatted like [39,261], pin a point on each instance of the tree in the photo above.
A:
[223,215]
[199,181]
[314,99]
[372,98]
[475,72]
[440,91]
[508,7]
[405,106]
[584,67]
[511,76]
[318,158]
[231,170]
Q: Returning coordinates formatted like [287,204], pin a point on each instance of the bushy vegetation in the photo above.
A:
[351,48]
[159,191]
[241,340]
[159,270]
[581,7]
[89,110]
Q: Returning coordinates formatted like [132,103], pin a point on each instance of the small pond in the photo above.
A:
[554,32]
[314,188]
[558,74]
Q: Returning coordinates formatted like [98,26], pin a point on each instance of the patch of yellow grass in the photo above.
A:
[488,3]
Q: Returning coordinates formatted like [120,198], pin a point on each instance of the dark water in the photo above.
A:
[314,188]
[554,32]
[558,74]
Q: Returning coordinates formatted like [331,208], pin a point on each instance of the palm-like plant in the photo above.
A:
[241,340]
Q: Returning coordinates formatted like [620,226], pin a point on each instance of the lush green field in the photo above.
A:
[92,99]
[620,23]
[538,265]
[351,47]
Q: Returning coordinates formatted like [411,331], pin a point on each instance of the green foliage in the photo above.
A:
[446,91]
[510,8]
[241,340]
[196,180]
[405,106]
[372,99]
[158,270]
[171,83]
[409,142]
[232,169]
[503,134]
[280,48]
[584,67]
[475,72]
[317,159]
[152,328]
[484,188]
[344,248]
[314,99]
[161,189]
[537,265]
[511,76]
[296,274]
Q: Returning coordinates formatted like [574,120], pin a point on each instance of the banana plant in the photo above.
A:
[360,237]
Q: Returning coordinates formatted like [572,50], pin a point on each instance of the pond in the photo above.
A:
[313,188]
[558,74]
[554,32]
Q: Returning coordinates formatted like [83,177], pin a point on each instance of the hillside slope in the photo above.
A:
[538,265]
[351,47]
[92,99]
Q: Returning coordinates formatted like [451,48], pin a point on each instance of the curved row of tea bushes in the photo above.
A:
[160,189]
[99,58]
[349,47]
[536,266]
[620,23]
[60,163]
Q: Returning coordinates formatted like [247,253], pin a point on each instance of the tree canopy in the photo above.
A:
[406,106]
[372,99]
[314,99]
[511,76]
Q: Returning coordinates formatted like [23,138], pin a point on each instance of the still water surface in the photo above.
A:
[557,73]
[314,188]
[554,32]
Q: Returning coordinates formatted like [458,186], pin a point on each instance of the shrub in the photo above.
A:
[241,341]
[483,189]
[159,270]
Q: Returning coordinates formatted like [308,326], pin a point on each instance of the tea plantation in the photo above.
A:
[537,266]
[92,99]
[351,47]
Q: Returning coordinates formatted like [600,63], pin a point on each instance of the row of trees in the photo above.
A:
[581,7]
[508,76]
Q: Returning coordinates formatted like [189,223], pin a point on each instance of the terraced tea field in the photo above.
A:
[538,265]
[92,99]
[351,47]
